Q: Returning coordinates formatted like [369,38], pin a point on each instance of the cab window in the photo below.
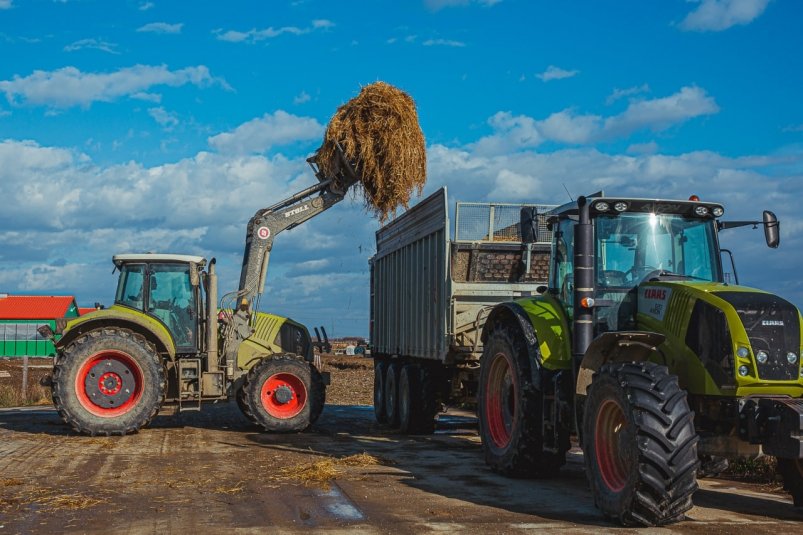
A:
[129,287]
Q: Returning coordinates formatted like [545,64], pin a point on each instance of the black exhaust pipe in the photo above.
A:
[583,323]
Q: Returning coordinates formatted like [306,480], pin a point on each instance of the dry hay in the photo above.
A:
[322,472]
[379,133]
[46,499]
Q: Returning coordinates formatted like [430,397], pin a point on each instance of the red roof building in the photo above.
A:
[36,307]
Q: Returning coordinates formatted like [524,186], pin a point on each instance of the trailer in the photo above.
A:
[431,294]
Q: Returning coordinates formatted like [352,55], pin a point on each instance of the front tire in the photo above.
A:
[108,382]
[792,472]
[283,393]
[509,408]
[639,444]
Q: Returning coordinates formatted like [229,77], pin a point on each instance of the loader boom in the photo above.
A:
[287,214]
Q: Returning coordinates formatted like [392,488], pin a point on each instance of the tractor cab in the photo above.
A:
[638,241]
[166,287]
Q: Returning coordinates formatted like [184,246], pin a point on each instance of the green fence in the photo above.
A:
[19,337]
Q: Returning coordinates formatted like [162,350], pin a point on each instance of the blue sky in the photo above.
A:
[149,125]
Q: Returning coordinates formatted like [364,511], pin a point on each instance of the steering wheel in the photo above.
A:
[640,273]
[613,277]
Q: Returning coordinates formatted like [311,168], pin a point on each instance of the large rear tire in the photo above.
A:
[639,444]
[509,408]
[416,401]
[379,391]
[108,382]
[792,472]
[283,393]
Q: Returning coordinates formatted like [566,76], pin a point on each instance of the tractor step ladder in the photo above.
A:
[189,380]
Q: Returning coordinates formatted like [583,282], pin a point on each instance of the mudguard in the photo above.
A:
[119,316]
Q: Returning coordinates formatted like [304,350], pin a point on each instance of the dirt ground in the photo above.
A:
[212,471]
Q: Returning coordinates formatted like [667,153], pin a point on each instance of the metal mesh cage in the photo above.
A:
[496,222]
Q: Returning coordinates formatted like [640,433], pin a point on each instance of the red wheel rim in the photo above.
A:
[500,400]
[283,395]
[608,434]
[109,383]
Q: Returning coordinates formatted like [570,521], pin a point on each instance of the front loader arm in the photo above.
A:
[286,214]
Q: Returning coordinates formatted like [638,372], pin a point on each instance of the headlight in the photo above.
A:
[742,352]
[743,370]
[620,206]
[602,206]
[718,211]
[791,357]
[761,356]
[701,210]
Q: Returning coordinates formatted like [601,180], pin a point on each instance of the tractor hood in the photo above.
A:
[742,336]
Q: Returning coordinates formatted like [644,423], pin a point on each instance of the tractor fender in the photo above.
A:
[513,314]
[623,346]
[151,328]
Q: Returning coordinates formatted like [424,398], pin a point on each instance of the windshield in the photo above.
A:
[632,246]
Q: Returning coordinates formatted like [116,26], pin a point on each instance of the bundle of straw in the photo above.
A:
[379,133]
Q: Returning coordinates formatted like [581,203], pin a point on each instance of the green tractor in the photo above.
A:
[166,340]
[640,348]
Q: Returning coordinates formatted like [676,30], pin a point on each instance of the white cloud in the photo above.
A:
[628,92]
[6,4]
[69,86]
[661,113]
[145,6]
[510,133]
[444,42]
[556,73]
[437,5]
[96,44]
[253,35]
[718,15]
[167,120]
[567,126]
[793,128]
[270,130]
[301,98]
[161,27]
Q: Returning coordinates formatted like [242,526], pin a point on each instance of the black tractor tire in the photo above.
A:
[639,444]
[108,381]
[416,401]
[791,471]
[283,393]
[380,368]
[320,401]
[392,395]
[509,410]
[241,403]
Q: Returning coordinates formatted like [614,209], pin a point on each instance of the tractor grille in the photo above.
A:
[710,339]
[772,324]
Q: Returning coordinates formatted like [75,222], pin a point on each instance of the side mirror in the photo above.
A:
[772,229]
[529,224]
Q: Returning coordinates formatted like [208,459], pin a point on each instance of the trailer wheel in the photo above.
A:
[792,472]
[640,445]
[416,401]
[509,409]
[379,391]
[283,393]
[392,394]
[108,382]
